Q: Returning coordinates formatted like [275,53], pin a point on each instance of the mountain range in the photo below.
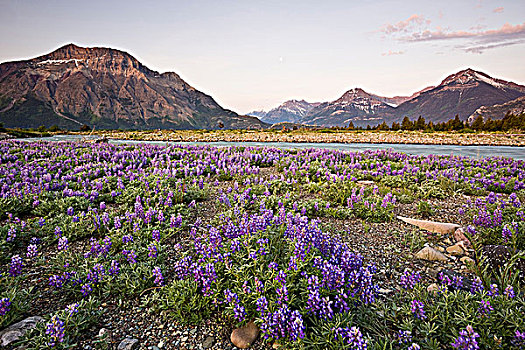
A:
[105,88]
[99,87]
[464,94]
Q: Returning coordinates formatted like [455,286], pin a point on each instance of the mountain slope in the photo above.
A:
[461,93]
[290,111]
[356,106]
[498,111]
[105,88]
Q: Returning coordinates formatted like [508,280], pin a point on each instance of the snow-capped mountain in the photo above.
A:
[355,105]
[290,111]
[461,93]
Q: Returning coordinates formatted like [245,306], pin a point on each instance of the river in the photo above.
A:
[469,151]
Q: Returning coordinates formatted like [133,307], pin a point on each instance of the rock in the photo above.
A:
[160,345]
[433,288]
[365,182]
[17,330]
[384,291]
[466,260]
[208,342]
[431,226]
[455,249]
[441,249]
[128,344]
[430,254]
[102,333]
[459,236]
[244,337]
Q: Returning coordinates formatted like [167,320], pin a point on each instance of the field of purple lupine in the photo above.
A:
[305,244]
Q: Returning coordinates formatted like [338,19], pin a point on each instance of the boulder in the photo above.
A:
[431,226]
[430,254]
[244,337]
[17,330]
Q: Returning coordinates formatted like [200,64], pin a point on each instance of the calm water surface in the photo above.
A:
[469,151]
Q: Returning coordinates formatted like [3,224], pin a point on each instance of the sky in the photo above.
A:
[253,55]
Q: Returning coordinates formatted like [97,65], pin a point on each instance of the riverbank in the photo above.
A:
[329,136]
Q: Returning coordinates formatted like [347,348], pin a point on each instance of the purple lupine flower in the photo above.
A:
[116,222]
[86,289]
[493,290]
[130,256]
[72,309]
[32,251]
[56,281]
[509,292]
[353,337]
[41,222]
[11,234]
[55,330]
[63,244]
[113,268]
[262,305]
[485,308]
[409,280]
[102,205]
[152,251]
[155,235]
[477,286]
[417,309]
[58,232]
[5,306]
[127,239]
[404,337]
[159,280]
[466,339]
[15,267]
[517,341]
[70,211]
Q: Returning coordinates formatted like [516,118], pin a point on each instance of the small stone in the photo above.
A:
[208,342]
[441,249]
[432,288]
[244,337]
[466,260]
[430,254]
[384,291]
[17,330]
[160,344]
[455,249]
[128,344]
[103,332]
[459,236]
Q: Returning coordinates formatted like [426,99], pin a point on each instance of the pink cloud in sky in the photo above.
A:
[402,26]
[498,10]
[507,31]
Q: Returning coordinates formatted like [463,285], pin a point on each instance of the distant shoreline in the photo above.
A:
[301,136]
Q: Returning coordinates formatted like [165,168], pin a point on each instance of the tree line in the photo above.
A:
[509,122]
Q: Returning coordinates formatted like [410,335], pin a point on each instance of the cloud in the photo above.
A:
[403,26]
[479,49]
[498,10]
[506,32]
[392,53]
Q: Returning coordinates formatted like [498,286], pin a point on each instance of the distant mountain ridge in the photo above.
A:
[460,94]
[290,111]
[105,88]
